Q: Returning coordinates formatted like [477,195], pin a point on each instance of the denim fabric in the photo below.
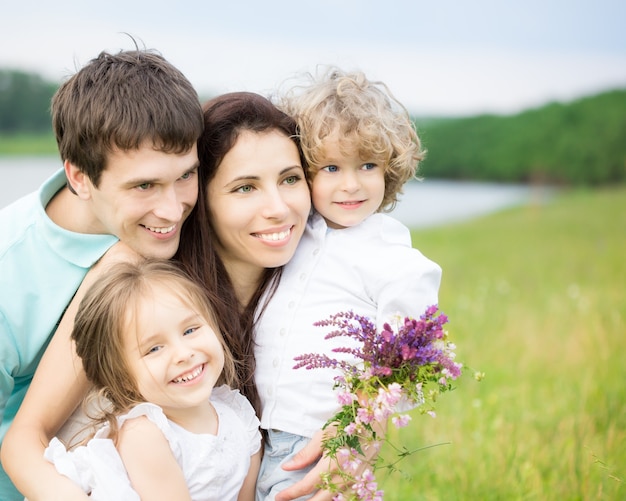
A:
[280,447]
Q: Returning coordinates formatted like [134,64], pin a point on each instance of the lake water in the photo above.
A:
[431,202]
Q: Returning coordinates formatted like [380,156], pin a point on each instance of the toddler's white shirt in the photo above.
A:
[371,269]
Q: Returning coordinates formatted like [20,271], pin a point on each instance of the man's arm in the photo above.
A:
[58,387]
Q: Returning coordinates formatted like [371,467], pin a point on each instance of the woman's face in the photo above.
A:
[258,202]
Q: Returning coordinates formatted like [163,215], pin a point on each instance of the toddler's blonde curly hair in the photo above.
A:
[365,115]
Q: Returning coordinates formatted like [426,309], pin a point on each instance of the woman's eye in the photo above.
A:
[244,189]
[292,179]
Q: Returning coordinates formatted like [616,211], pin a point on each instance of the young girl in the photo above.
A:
[149,344]
[361,147]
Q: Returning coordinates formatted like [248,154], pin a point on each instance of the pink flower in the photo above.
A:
[350,429]
[346,398]
[401,421]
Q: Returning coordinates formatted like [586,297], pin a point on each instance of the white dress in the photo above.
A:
[214,465]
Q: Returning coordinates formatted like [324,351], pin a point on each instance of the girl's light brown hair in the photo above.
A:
[107,310]
[365,115]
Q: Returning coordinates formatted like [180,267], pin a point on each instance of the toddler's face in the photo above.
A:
[346,188]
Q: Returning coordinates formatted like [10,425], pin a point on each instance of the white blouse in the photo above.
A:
[214,466]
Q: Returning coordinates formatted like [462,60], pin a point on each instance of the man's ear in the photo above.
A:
[79,182]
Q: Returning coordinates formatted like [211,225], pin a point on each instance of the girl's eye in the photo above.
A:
[154,349]
[191,330]
[330,168]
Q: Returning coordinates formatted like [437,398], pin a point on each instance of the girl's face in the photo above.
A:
[346,188]
[258,202]
[173,354]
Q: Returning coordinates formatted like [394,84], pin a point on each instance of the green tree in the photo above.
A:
[24,102]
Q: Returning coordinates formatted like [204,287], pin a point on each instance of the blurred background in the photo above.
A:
[439,58]
[522,108]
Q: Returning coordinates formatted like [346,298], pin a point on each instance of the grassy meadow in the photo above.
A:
[28,144]
[537,300]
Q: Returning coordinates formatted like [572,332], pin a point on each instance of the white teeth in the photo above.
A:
[161,230]
[188,377]
[273,237]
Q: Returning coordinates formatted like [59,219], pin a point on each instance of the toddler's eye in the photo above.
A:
[330,168]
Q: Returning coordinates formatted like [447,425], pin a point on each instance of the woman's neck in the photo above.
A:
[245,280]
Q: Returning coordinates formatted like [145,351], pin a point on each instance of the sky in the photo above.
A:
[439,58]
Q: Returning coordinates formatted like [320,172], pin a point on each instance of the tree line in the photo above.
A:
[24,102]
[582,142]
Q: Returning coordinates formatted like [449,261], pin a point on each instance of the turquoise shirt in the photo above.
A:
[41,267]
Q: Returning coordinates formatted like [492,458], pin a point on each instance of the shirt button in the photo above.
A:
[291,304]
[283,331]
[316,252]
[276,362]
[270,392]
[303,277]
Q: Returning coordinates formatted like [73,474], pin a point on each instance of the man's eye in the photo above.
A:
[144,186]
[189,173]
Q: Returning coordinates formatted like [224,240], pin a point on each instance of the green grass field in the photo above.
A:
[537,300]
[28,144]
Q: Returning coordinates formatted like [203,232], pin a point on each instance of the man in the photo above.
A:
[126,125]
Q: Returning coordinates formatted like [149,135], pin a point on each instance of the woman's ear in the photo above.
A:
[78,182]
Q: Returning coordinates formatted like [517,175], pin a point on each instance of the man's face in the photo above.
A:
[143,198]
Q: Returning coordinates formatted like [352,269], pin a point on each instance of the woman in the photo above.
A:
[252,209]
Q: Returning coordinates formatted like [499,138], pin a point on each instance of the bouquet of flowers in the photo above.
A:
[407,367]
